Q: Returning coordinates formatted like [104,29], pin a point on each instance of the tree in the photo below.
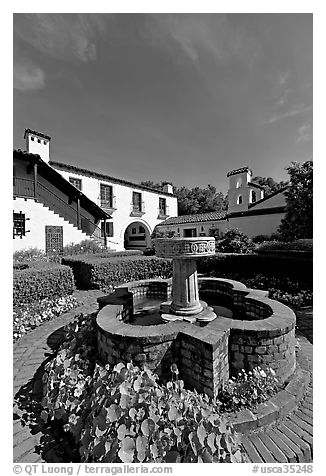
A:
[195,200]
[298,221]
[269,184]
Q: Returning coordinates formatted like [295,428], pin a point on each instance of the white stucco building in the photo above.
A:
[248,210]
[124,213]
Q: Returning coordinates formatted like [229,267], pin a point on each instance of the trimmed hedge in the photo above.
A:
[102,273]
[43,280]
[295,267]
[304,245]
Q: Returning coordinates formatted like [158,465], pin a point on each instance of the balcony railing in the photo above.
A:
[163,212]
[107,204]
[137,209]
[25,188]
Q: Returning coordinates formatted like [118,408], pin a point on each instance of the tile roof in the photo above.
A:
[100,176]
[39,134]
[200,217]
[238,171]
[267,197]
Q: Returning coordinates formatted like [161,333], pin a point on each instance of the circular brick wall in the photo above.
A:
[260,333]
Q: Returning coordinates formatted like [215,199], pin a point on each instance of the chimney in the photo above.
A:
[168,188]
[38,143]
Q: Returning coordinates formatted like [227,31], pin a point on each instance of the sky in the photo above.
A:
[179,97]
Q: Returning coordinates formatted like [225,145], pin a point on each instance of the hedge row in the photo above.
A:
[297,267]
[34,284]
[101,273]
[93,272]
[298,245]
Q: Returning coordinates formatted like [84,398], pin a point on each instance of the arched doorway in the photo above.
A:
[137,236]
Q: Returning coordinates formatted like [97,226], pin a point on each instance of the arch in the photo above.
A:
[239,200]
[239,182]
[136,235]
[253,196]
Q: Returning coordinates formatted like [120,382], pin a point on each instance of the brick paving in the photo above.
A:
[289,440]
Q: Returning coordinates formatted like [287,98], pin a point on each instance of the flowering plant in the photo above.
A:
[248,389]
[29,316]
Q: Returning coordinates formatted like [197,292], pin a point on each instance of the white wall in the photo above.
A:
[201,227]
[123,196]
[257,224]
[40,216]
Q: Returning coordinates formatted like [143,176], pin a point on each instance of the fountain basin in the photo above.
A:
[260,331]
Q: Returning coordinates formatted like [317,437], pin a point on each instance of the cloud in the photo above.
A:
[63,36]
[28,77]
[305,133]
[194,35]
[295,110]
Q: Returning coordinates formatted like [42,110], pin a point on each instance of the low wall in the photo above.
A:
[261,332]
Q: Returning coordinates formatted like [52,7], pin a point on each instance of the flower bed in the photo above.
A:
[123,414]
[29,316]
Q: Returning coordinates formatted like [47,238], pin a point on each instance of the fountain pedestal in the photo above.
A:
[185,302]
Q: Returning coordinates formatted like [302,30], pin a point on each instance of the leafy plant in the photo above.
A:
[248,389]
[134,419]
[234,241]
[124,415]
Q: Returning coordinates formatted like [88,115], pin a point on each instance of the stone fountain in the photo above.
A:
[185,304]
[207,346]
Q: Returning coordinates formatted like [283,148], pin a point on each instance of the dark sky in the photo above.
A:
[182,97]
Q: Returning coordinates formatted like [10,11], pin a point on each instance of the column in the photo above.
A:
[185,299]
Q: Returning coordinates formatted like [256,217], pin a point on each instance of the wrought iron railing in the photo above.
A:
[163,212]
[108,204]
[137,207]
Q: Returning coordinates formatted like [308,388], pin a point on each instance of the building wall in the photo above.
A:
[123,197]
[202,228]
[40,216]
[258,224]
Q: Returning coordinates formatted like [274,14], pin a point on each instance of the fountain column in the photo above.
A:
[185,297]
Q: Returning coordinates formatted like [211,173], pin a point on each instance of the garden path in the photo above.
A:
[35,441]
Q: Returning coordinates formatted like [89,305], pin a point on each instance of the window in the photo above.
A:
[39,141]
[106,195]
[19,224]
[162,206]
[133,231]
[136,202]
[76,182]
[107,227]
[239,183]
[253,196]
[190,232]
[32,138]
[239,200]
[142,229]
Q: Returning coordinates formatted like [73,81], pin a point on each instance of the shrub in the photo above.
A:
[260,238]
[29,254]
[29,316]
[92,272]
[124,415]
[248,389]
[45,280]
[245,266]
[234,241]
[85,246]
[298,245]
